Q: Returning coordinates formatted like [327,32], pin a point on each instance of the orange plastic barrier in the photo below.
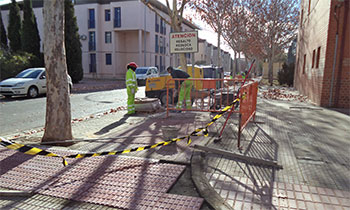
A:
[222,93]
[247,106]
[248,97]
[208,95]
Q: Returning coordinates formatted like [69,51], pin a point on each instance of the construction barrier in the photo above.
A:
[247,109]
[212,100]
[204,94]
[247,106]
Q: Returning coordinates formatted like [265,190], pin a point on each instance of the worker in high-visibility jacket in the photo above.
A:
[131,86]
[185,87]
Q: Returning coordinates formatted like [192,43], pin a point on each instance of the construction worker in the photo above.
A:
[185,89]
[131,86]
[244,74]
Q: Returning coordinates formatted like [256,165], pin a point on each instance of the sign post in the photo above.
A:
[184,42]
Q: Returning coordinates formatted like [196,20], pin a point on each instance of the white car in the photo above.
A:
[143,73]
[30,82]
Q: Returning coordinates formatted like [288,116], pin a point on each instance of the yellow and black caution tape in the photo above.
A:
[37,151]
[28,149]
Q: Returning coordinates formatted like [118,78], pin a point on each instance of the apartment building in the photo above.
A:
[227,62]
[201,56]
[322,69]
[115,32]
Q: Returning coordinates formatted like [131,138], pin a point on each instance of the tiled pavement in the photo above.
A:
[312,145]
[314,155]
[121,182]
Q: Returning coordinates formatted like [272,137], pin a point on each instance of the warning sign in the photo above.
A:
[184,42]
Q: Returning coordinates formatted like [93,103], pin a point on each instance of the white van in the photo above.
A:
[143,73]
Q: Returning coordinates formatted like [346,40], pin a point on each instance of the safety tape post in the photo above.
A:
[29,150]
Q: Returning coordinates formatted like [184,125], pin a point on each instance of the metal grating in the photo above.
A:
[121,182]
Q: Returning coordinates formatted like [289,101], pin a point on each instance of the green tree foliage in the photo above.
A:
[12,64]
[3,37]
[30,34]
[14,27]
[286,75]
[72,43]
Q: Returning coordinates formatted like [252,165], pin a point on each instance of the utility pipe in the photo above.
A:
[335,55]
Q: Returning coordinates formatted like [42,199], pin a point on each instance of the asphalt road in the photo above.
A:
[22,114]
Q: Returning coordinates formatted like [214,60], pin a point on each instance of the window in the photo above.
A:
[157,47]
[108,37]
[92,66]
[304,64]
[107,15]
[157,25]
[318,57]
[164,27]
[164,47]
[161,26]
[108,59]
[156,61]
[160,63]
[92,41]
[313,59]
[91,21]
[117,17]
[160,45]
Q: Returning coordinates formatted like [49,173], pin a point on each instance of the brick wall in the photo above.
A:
[316,42]
[313,29]
[341,82]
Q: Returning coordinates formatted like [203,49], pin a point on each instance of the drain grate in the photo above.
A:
[121,182]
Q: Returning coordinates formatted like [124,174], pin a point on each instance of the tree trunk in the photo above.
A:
[271,59]
[183,61]
[236,65]
[219,47]
[176,24]
[58,112]
[239,63]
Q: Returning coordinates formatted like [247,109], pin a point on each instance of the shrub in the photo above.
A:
[12,64]
[286,74]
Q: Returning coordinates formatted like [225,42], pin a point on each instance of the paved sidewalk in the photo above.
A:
[311,143]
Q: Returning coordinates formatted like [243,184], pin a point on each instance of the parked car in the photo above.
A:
[143,73]
[30,82]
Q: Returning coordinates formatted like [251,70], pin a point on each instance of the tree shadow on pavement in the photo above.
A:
[244,176]
[109,127]
[152,127]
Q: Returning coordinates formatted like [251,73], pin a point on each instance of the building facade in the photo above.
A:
[322,69]
[116,32]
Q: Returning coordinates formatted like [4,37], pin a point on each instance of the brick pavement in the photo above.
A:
[312,145]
